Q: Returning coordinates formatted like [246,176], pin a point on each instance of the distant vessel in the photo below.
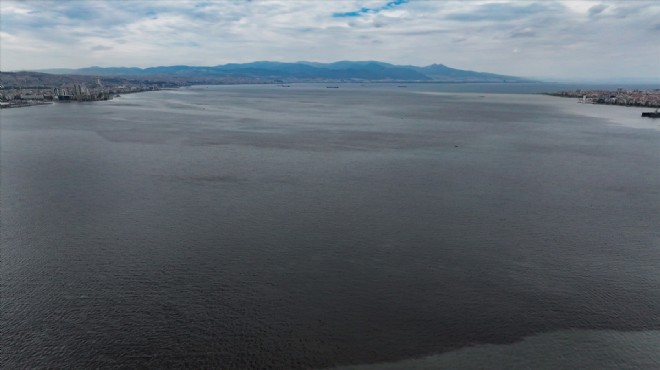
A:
[332,87]
[402,86]
[655,114]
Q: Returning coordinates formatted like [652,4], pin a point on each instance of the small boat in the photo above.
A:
[655,114]
[332,87]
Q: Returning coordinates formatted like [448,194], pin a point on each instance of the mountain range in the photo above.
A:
[302,71]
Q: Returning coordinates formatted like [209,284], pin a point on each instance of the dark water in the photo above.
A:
[259,226]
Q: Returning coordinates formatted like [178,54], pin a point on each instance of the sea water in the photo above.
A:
[369,226]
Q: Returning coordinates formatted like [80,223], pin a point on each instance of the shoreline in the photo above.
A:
[606,104]
[50,102]
[648,98]
[32,104]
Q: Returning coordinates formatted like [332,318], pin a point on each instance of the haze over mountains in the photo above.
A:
[304,71]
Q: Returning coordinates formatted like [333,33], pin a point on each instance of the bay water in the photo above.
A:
[365,226]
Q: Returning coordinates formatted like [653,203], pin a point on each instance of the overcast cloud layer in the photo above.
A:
[542,39]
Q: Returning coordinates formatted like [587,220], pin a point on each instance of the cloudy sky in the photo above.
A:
[571,39]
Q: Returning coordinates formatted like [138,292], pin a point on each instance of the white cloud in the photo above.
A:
[586,39]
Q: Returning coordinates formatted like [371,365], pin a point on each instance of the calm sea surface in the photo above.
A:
[431,226]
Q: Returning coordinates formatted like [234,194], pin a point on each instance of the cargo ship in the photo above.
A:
[655,114]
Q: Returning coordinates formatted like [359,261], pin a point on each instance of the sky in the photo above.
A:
[556,40]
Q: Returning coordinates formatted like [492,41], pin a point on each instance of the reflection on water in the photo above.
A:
[570,349]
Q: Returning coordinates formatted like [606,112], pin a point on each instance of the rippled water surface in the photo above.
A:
[261,226]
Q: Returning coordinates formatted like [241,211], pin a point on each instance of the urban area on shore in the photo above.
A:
[634,98]
[12,97]
[24,89]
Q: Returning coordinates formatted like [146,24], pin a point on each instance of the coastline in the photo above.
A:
[32,103]
[612,114]
[29,104]
[648,98]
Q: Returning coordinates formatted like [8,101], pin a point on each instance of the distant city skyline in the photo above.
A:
[552,40]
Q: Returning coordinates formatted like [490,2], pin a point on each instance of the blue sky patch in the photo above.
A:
[356,13]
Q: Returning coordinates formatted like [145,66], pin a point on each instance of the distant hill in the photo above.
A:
[302,71]
[41,80]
